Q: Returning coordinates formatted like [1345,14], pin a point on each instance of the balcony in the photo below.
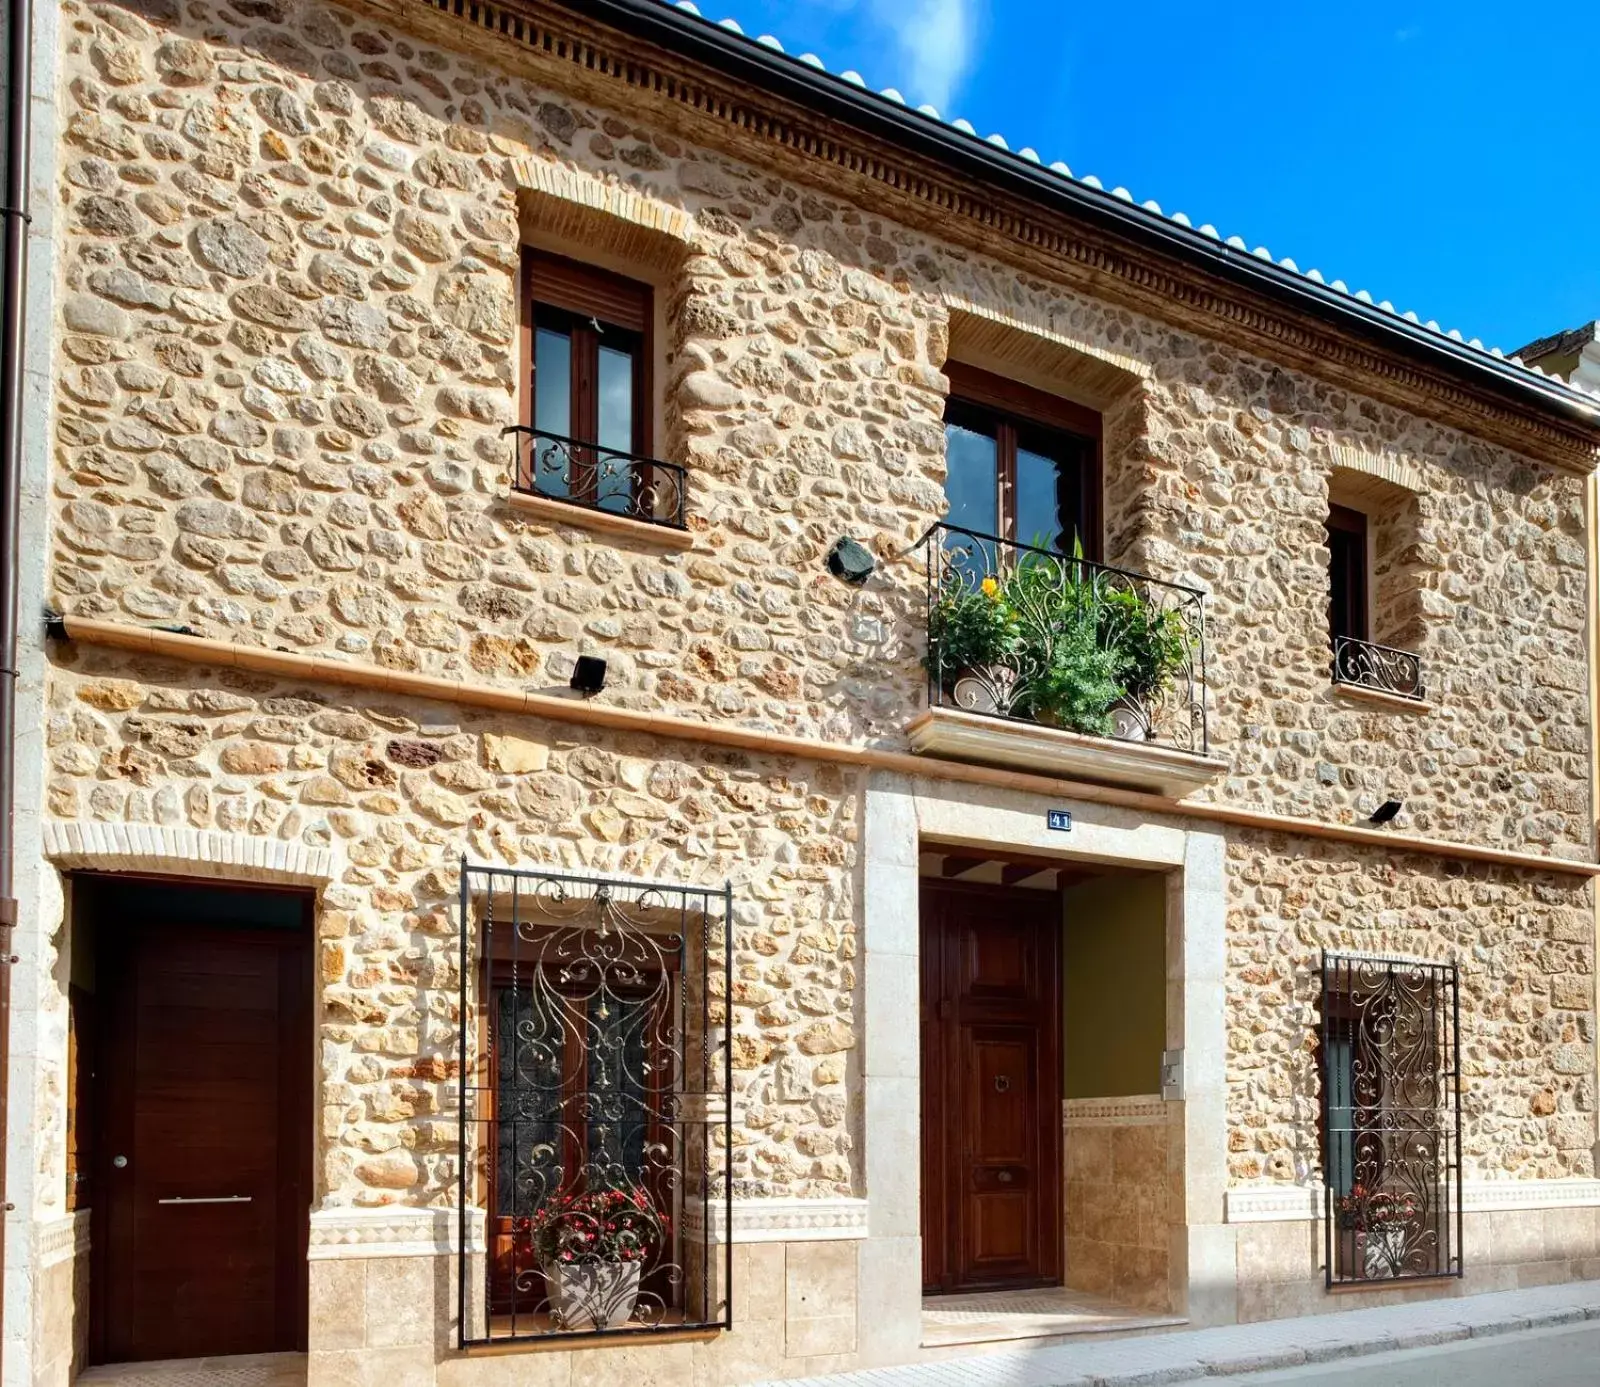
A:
[567,481]
[1057,665]
[1379,669]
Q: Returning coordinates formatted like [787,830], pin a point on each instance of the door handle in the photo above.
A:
[208,1199]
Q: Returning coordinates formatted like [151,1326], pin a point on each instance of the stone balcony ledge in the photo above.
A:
[1028,746]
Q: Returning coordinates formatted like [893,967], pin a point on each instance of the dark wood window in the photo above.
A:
[586,352]
[1390,1123]
[581,1083]
[1347,572]
[1021,464]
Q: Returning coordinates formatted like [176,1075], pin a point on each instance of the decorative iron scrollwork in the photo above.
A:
[595,1123]
[1367,665]
[597,478]
[1020,632]
[1391,1105]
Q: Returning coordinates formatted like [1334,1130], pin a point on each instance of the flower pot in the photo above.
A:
[984,688]
[1130,722]
[1385,1253]
[592,1295]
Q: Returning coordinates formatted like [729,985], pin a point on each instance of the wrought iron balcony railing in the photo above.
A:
[1020,632]
[581,474]
[1369,666]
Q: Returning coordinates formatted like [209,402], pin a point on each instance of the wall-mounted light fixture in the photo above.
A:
[1385,812]
[588,675]
[851,562]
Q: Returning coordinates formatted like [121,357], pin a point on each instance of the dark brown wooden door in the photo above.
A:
[991,1054]
[203,1186]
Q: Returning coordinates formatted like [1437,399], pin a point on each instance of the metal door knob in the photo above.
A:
[1002,1084]
[121,1162]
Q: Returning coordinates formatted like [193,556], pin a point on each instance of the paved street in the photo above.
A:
[1545,1336]
[1568,1356]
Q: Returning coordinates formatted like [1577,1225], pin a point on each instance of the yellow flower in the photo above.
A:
[991,589]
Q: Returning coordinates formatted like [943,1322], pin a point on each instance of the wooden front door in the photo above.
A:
[204,1150]
[991,1085]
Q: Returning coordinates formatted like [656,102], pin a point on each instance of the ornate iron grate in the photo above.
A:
[592,477]
[1367,665]
[1391,1118]
[595,1114]
[1020,632]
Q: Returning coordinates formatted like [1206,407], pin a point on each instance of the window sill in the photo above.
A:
[1378,698]
[1394,1283]
[582,518]
[1027,746]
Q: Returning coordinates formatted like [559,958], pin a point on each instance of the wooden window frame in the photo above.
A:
[1009,403]
[1346,521]
[580,293]
[498,974]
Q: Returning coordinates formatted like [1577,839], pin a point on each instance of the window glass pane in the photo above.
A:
[616,408]
[971,483]
[528,1098]
[1347,574]
[552,406]
[1341,1116]
[616,1102]
[1050,496]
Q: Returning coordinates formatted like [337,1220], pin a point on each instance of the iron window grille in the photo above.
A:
[588,476]
[595,1106]
[1391,1118]
[1368,665]
[1061,602]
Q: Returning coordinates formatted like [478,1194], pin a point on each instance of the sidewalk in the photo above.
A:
[1186,1355]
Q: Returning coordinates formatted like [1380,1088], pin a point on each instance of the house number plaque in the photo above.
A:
[1059,819]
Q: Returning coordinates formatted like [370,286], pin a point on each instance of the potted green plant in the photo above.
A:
[973,642]
[1151,646]
[592,1248]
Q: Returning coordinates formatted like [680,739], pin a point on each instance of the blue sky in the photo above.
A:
[1441,156]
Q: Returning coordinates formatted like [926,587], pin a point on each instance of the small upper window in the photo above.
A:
[1021,464]
[1347,573]
[587,404]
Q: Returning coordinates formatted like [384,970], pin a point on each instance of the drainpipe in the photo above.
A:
[1591,544]
[13,287]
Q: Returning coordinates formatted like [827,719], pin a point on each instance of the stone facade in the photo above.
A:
[287,343]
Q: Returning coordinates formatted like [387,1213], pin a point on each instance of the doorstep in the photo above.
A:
[1187,1355]
[1045,1313]
[251,1370]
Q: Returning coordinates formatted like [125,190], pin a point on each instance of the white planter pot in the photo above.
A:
[1129,722]
[592,1295]
[1385,1251]
[984,689]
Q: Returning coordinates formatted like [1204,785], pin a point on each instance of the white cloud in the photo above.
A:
[934,43]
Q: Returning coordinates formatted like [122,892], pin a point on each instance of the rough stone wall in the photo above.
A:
[289,346]
[1525,944]
[399,790]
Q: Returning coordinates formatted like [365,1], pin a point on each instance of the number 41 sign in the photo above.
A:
[1059,819]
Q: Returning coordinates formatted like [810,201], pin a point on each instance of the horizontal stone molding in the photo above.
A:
[292,665]
[64,1239]
[390,1231]
[1283,1203]
[183,851]
[1145,1110]
[779,1220]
